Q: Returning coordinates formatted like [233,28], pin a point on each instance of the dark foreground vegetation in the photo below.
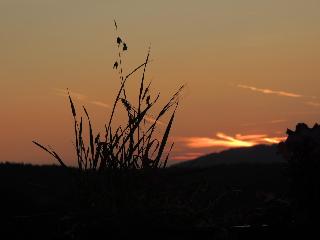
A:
[232,201]
[223,202]
[122,188]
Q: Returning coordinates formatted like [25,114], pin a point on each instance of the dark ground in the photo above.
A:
[222,202]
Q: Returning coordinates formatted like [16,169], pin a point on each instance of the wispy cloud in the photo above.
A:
[250,137]
[276,121]
[64,93]
[187,156]
[223,140]
[274,140]
[83,97]
[80,96]
[302,113]
[313,104]
[100,104]
[283,94]
[151,119]
[269,91]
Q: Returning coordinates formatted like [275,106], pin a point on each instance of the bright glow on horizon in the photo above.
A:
[223,140]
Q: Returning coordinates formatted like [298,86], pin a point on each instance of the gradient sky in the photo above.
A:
[252,68]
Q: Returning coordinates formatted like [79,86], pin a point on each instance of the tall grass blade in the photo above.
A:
[165,137]
[167,157]
[72,106]
[54,154]
[90,134]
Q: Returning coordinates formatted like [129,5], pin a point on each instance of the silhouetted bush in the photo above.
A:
[302,151]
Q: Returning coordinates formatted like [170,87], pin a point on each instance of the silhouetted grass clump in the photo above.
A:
[132,146]
[117,177]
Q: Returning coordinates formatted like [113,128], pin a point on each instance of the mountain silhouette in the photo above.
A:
[259,154]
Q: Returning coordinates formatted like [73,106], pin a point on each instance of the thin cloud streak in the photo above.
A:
[269,91]
[151,119]
[183,158]
[187,156]
[100,104]
[274,140]
[313,104]
[302,113]
[64,93]
[282,94]
[277,121]
[250,137]
[80,96]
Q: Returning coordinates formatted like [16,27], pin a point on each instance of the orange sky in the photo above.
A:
[251,68]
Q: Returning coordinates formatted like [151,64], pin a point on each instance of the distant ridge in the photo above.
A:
[259,154]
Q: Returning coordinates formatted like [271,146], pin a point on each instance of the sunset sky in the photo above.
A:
[251,69]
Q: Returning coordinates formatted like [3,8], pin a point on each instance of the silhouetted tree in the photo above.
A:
[302,151]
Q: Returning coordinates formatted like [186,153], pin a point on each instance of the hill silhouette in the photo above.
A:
[259,154]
